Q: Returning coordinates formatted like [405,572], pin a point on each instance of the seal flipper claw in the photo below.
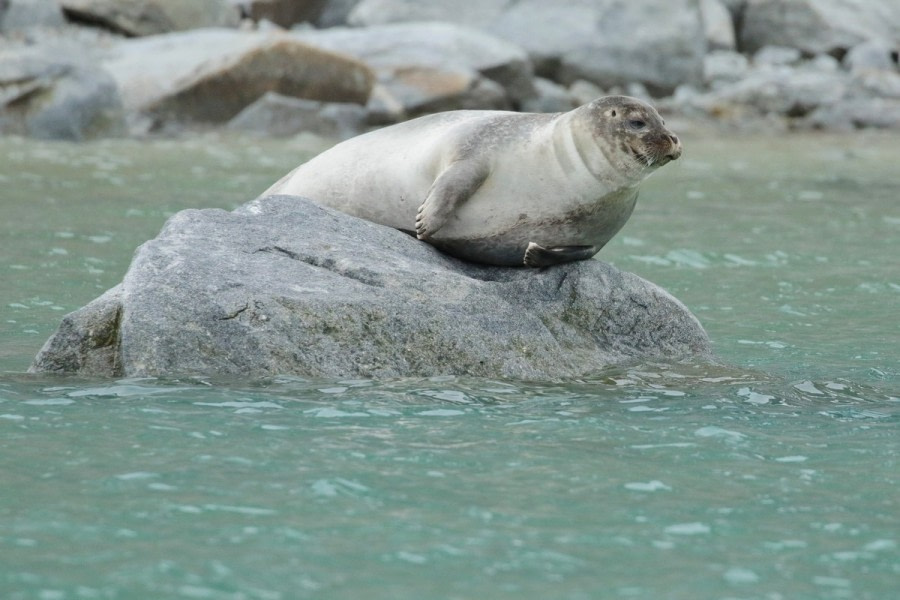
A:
[454,185]
[538,256]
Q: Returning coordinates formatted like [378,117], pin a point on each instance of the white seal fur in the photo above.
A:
[497,187]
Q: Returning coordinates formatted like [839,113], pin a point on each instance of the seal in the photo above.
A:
[497,187]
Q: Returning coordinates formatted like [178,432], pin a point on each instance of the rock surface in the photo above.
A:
[25,14]
[275,115]
[656,42]
[818,26]
[209,75]
[428,67]
[44,97]
[283,286]
[150,17]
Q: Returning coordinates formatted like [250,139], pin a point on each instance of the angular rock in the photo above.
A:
[435,66]
[275,115]
[656,42]
[136,18]
[209,75]
[283,286]
[46,97]
[817,26]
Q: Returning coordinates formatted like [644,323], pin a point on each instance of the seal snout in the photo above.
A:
[675,148]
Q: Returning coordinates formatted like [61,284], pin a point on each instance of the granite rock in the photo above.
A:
[284,286]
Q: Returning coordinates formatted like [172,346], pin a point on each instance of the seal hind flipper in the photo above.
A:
[454,185]
[538,256]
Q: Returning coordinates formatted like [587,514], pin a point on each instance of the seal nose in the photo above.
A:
[675,151]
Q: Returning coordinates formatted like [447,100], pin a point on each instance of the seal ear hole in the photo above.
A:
[612,113]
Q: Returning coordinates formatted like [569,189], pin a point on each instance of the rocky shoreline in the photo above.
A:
[86,69]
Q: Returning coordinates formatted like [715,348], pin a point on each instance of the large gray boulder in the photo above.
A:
[659,43]
[284,286]
[818,26]
[430,67]
[46,96]
[210,75]
[152,17]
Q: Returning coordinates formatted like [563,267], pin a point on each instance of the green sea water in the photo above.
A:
[773,475]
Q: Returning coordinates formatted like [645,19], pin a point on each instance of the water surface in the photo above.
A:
[774,475]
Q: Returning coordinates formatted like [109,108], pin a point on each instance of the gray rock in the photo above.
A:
[473,13]
[817,26]
[584,91]
[848,114]
[151,17]
[283,286]
[210,75]
[551,98]
[777,55]
[724,67]
[435,66]
[26,14]
[871,55]
[718,25]
[657,42]
[47,97]
[335,13]
[275,115]
[768,91]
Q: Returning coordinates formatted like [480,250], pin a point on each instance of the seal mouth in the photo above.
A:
[657,155]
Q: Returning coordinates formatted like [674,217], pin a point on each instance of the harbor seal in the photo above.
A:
[497,187]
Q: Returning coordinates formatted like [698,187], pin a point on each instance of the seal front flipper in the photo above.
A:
[538,256]
[454,185]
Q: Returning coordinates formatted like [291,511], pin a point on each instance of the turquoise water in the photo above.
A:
[773,475]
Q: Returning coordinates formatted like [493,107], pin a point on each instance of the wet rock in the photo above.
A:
[275,115]
[210,75]
[151,17]
[283,286]
[22,15]
[47,97]
[435,66]
[817,26]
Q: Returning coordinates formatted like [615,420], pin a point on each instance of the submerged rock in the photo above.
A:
[284,286]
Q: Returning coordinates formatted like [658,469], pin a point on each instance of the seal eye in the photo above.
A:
[636,124]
